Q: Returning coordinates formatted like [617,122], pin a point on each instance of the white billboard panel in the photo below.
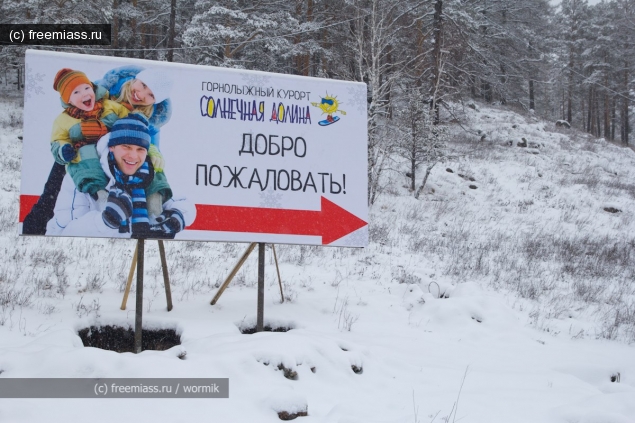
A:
[246,156]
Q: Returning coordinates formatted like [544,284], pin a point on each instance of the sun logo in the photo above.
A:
[329,106]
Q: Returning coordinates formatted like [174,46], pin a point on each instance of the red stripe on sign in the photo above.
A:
[331,222]
[26,204]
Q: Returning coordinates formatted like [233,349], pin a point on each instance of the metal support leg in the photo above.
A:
[139,307]
[261,287]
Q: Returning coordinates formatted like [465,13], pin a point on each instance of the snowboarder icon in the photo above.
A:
[329,106]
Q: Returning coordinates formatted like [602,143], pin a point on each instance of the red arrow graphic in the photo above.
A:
[331,222]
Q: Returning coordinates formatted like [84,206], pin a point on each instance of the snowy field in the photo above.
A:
[509,301]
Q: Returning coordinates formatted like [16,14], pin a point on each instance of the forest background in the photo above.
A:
[572,61]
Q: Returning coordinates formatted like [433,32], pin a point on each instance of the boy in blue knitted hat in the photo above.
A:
[132,171]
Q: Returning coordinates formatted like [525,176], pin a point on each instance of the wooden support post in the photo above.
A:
[261,280]
[139,306]
[275,258]
[166,277]
[130,275]
[261,287]
[235,270]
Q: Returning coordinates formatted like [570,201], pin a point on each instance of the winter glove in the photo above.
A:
[118,210]
[141,230]
[150,232]
[67,153]
[171,221]
[157,158]
[93,129]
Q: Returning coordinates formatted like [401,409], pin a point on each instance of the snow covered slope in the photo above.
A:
[512,301]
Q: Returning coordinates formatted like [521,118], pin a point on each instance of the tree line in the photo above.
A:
[574,62]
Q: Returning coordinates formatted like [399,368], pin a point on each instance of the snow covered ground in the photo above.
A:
[513,301]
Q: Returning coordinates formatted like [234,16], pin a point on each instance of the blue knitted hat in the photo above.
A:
[132,130]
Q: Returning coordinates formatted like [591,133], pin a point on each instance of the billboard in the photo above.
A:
[212,154]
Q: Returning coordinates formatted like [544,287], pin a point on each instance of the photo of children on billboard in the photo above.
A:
[108,178]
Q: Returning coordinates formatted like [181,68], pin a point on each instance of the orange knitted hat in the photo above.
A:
[66,80]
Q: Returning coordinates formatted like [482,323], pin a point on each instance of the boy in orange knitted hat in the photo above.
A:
[88,115]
